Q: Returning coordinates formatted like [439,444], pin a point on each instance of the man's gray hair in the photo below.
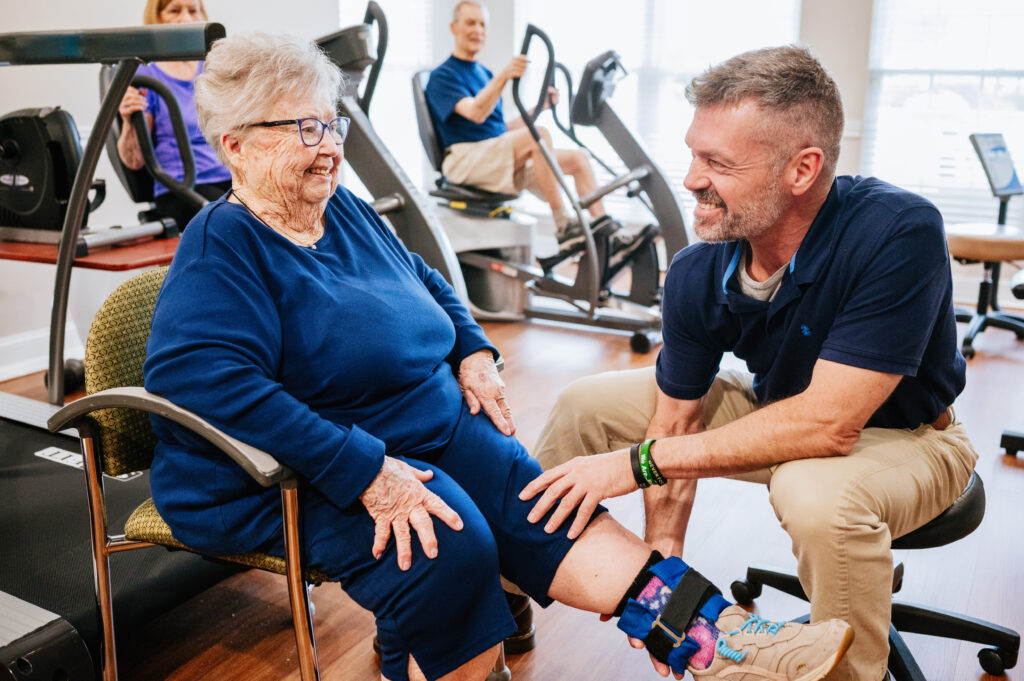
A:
[791,85]
[457,7]
[246,74]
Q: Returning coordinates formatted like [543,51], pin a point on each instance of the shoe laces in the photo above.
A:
[724,650]
[755,624]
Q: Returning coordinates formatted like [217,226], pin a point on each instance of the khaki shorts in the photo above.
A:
[488,165]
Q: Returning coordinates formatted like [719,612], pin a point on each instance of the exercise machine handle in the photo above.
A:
[374,14]
[188,162]
[549,75]
[570,129]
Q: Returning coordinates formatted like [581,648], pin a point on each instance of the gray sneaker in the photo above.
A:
[751,648]
[570,236]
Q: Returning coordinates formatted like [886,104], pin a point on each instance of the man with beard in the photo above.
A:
[837,293]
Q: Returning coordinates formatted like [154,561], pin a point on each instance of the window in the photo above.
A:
[939,71]
[663,44]
[391,109]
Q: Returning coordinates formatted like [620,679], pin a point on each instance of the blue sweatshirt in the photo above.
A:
[326,358]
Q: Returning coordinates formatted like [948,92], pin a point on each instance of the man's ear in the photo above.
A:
[803,169]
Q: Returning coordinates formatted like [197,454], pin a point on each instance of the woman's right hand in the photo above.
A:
[134,100]
[398,499]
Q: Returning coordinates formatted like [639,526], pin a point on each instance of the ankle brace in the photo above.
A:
[673,595]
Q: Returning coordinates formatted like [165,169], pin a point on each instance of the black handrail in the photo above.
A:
[549,77]
[110,45]
[138,121]
[374,14]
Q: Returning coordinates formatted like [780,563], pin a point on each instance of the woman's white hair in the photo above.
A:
[246,74]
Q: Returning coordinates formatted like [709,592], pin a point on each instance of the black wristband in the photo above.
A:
[634,462]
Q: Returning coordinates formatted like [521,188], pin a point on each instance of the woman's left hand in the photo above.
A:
[584,481]
[484,389]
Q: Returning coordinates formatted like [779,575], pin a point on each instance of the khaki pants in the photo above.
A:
[841,512]
[488,165]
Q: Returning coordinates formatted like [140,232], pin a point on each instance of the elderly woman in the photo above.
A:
[294,320]
[212,178]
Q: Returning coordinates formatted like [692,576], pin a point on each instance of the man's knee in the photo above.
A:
[815,512]
[585,397]
[576,161]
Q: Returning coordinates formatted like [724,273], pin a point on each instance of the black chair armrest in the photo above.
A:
[263,467]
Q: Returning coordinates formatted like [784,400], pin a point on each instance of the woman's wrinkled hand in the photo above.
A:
[133,100]
[483,388]
[398,502]
[584,482]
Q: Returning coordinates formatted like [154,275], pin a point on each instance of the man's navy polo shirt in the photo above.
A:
[869,287]
[452,81]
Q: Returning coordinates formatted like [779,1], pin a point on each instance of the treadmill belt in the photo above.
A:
[45,554]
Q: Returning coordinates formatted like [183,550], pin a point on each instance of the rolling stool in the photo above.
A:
[991,244]
[957,521]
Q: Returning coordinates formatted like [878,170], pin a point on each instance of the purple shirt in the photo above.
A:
[208,167]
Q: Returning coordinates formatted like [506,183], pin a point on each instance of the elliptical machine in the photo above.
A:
[644,180]
[589,294]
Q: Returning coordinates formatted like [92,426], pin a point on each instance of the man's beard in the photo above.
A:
[747,222]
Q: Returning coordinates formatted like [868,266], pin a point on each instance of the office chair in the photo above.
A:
[990,244]
[116,438]
[957,521]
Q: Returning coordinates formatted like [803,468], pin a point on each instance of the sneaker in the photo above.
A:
[751,648]
[623,244]
[571,236]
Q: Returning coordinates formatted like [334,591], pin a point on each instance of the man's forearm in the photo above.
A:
[485,100]
[667,508]
[794,428]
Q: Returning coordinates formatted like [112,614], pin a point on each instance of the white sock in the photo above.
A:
[561,219]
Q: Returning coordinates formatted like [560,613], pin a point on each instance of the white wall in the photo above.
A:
[26,289]
[839,33]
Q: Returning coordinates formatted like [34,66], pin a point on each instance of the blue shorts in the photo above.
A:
[448,610]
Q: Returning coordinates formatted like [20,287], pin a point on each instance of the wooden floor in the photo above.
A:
[241,628]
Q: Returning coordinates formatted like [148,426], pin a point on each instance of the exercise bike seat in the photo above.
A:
[451,191]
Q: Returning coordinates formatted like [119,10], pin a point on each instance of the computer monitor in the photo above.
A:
[995,159]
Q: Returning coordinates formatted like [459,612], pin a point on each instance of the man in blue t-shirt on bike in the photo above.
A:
[483,151]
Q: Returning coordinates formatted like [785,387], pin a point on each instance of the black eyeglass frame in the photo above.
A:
[343,126]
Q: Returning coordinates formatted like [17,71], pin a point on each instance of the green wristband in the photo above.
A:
[650,469]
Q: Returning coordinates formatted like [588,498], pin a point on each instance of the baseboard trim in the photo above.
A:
[29,351]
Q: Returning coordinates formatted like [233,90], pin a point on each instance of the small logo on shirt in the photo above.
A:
[805,330]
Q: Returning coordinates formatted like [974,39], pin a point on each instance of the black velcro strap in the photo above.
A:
[639,582]
[659,643]
[692,592]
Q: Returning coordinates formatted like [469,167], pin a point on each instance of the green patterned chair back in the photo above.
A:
[114,353]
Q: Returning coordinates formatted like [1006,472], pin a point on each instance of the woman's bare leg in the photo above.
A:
[586,579]
[474,670]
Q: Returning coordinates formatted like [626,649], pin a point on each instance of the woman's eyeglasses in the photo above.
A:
[311,130]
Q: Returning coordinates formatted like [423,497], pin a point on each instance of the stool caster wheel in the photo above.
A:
[642,342]
[967,351]
[992,661]
[744,592]
[74,376]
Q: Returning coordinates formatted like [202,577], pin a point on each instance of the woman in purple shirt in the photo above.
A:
[212,178]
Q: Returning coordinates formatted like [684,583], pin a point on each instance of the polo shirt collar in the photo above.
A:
[804,267]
